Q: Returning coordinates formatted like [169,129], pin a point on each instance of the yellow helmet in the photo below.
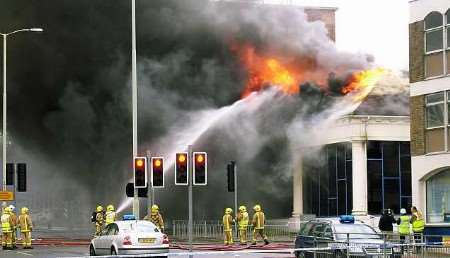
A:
[228,211]
[257,207]
[99,208]
[242,208]
[110,207]
[24,210]
[8,210]
[155,208]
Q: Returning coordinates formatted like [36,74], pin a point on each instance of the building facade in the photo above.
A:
[429,37]
[361,166]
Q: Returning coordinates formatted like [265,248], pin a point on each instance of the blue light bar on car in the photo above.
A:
[346,219]
[129,217]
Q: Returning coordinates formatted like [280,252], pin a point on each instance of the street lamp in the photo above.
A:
[5,36]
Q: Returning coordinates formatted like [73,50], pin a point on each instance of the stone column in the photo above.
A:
[359,178]
[298,187]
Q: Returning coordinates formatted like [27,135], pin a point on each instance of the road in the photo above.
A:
[66,251]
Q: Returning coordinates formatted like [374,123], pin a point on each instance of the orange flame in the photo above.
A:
[362,82]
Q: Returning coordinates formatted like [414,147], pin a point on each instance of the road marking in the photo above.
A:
[24,253]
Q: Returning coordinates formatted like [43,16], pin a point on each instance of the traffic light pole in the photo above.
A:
[134,97]
[150,192]
[190,181]
[235,196]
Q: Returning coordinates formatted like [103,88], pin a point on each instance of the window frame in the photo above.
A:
[444,48]
[445,126]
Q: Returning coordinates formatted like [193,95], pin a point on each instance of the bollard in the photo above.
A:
[348,245]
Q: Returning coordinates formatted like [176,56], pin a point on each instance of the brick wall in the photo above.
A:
[417,111]
[416,52]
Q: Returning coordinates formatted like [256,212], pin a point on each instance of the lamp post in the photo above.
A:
[5,36]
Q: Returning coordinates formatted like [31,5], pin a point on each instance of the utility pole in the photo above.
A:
[134,98]
[150,194]
[190,181]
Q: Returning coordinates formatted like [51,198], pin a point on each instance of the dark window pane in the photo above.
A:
[373,150]
[434,98]
[434,40]
[348,151]
[406,203]
[374,186]
[391,194]
[332,204]
[390,159]
[342,197]
[448,37]
[433,20]
[435,115]
[341,161]
[323,206]
[349,187]
[448,16]
[406,183]
[405,149]
[332,170]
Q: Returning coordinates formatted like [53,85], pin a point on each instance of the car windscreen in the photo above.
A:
[354,231]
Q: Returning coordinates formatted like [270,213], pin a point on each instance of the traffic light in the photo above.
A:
[200,168]
[129,190]
[140,172]
[158,172]
[9,173]
[231,170]
[181,168]
[21,177]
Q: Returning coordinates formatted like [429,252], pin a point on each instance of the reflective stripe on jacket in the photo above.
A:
[6,225]
[403,228]
[258,220]
[157,219]
[110,217]
[227,220]
[242,219]
[25,223]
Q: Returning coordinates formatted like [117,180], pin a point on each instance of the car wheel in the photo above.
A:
[91,250]
[299,255]
[113,251]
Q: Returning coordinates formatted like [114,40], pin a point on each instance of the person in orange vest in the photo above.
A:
[6,228]
[258,225]
[227,226]
[26,226]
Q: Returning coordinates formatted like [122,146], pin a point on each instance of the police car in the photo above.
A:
[130,236]
[336,234]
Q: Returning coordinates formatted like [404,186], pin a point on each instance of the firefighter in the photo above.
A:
[26,226]
[110,215]
[227,226]
[403,227]
[6,228]
[242,220]
[155,217]
[13,226]
[258,225]
[99,220]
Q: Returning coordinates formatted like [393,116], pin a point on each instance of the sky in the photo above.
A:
[377,27]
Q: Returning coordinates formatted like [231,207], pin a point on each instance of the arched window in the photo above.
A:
[434,44]
[438,197]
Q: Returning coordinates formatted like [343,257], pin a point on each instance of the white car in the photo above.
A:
[130,237]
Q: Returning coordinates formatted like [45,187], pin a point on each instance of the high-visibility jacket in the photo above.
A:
[156,218]
[110,217]
[403,227]
[242,219]
[6,223]
[25,223]
[418,223]
[13,221]
[99,219]
[227,221]
[258,220]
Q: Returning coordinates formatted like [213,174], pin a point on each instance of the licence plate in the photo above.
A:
[146,240]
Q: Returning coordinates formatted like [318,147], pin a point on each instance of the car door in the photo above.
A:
[100,244]
[110,236]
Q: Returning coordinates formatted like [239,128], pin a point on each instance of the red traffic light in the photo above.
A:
[157,162]
[139,162]
[199,158]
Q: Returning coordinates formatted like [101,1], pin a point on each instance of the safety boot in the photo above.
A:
[266,242]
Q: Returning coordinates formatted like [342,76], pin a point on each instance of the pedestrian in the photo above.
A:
[155,217]
[6,229]
[227,221]
[386,224]
[99,220]
[258,225]
[418,226]
[13,226]
[26,226]
[403,227]
[110,215]
[242,220]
